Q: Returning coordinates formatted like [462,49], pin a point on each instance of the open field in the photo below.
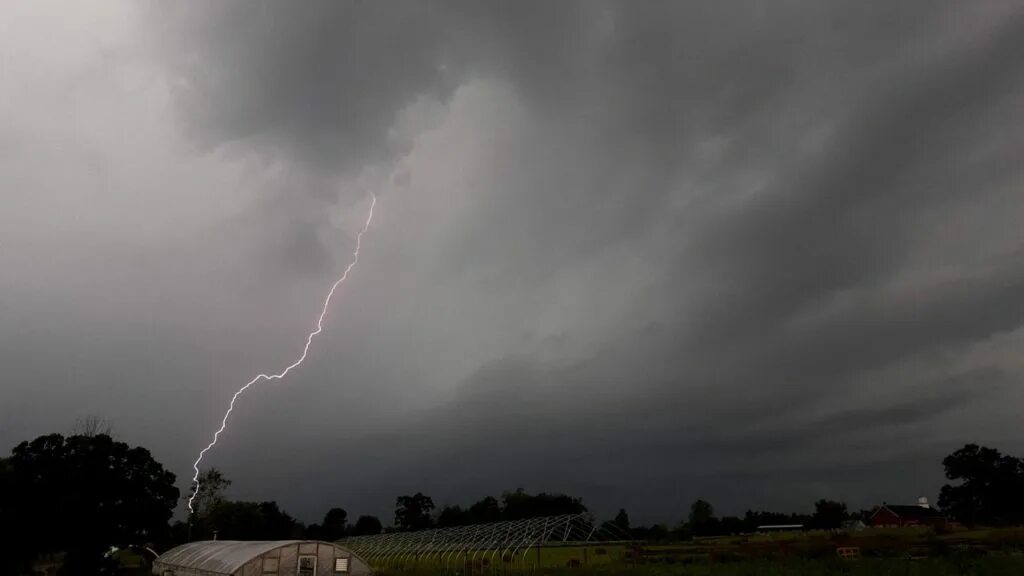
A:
[913,543]
[910,552]
[989,565]
[994,565]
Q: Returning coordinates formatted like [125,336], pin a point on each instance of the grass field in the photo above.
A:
[898,552]
[990,565]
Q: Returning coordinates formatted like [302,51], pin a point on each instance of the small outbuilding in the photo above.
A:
[269,558]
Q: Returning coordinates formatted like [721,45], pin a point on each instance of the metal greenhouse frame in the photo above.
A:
[497,546]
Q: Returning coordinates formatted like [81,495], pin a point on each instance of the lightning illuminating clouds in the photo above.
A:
[750,252]
[305,351]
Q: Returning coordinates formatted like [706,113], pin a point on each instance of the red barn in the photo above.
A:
[920,514]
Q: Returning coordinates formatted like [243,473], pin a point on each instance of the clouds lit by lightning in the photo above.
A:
[300,360]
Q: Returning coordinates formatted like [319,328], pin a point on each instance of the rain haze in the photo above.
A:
[636,252]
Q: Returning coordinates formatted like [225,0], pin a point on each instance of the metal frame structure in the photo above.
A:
[475,548]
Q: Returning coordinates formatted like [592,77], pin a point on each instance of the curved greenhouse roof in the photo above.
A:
[507,541]
[240,558]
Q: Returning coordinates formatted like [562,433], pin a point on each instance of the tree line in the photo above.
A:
[417,512]
[702,521]
[80,494]
[217,516]
[987,489]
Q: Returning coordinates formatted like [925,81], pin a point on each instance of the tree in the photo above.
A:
[413,512]
[486,509]
[216,516]
[991,488]
[92,425]
[367,525]
[237,520]
[701,512]
[730,525]
[211,487]
[655,533]
[17,560]
[753,519]
[621,521]
[702,518]
[618,527]
[829,514]
[863,515]
[178,533]
[453,516]
[334,525]
[81,495]
[519,505]
[314,532]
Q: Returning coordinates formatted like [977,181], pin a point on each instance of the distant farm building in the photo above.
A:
[920,514]
[274,558]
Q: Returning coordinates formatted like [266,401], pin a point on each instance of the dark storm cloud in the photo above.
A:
[326,79]
[640,251]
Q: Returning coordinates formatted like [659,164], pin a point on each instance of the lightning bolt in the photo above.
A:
[293,365]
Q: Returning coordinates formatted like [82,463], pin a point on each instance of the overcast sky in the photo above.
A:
[640,252]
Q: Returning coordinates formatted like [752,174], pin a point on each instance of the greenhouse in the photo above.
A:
[527,544]
[273,558]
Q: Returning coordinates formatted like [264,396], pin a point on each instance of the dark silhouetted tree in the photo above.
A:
[217,516]
[413,512]
[621,521]
[655,533]
[367,525]
[18,559]
[702,518]
[518,505]
[212,485]
[453,516]
[829,514]
[334,525]
[81,495]
[991,488]
[247,521]
[485,510]
[314,532]
[730,525]
[92,425]
[862,515]
[233,520]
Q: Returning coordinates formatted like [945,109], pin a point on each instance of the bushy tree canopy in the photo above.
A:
[520,504]
[991,488]
[829,514]
[81,495]
[413,512]
[367,525]
[334,525]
